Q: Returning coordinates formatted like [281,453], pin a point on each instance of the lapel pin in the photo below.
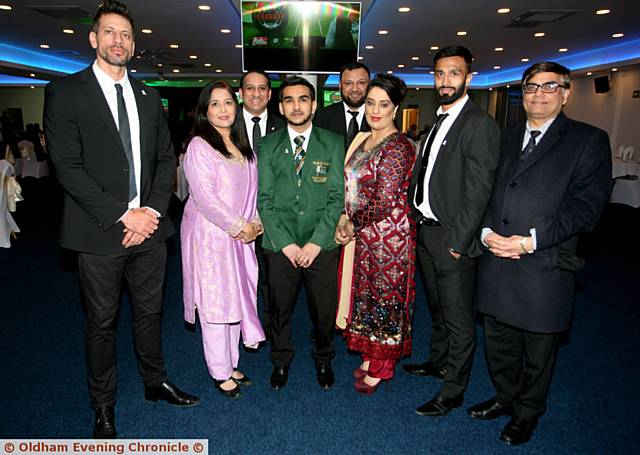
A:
[143,93]
[444,142]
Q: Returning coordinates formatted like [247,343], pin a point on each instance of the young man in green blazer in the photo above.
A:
[300,198]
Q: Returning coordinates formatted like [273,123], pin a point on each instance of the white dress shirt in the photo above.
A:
[293,133]
[107,84]
[348,116]
[248,124]
[453,112]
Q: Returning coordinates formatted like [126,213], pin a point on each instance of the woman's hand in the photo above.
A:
[249,232]
[345,232]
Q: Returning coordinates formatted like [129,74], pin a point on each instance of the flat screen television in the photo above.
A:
[298,37]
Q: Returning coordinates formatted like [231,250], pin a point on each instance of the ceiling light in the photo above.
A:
[404,9]
[44,46]
[133,71]
[383,32]
[218,70]
[368,46]
[415,58]
[32,75]
[401,66]
[434,48]
[539,34]
[614,69]
[601,12]
[204,7]
[160,65]
[238,46]
[504,10]
[147,31]
[193,57]
[524,60]
[617,35]
[200,80]
[360,57]
[589,73]
[174,46]
[389,72]
[499,49]
[68,31]
[207,64]
[497,67]
[508,86]
[490,89]
[432,72]
[5,7]
[475,73]
[176,70]
[225,30]
[563,49]
[32,86]
[461,33]
[417,89]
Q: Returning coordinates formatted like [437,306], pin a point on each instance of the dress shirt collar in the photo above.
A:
[348,116]
[454,110]
[107,84]
[248,116]
[293,133]
[543,129]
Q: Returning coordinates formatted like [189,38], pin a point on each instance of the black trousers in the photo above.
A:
[101,278]
[321,285]
[263,287]
[449,286]
[520,365]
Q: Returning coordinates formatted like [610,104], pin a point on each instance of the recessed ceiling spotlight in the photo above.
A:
[401,66]
[204,7]
[589,73]
[68,31]
[417,89]
[33,86]
[44,46]
[368,46]
[383,32]
[360,57]
[490,89]
[176,70]
[617,35]
[225,30]
[207,64]
[504,10]
[432,72]
[32,75]
[524,60]
[539,34]
[563,49]
[389,72]
[174,46]
[508,86]
[200,80]
[159,65]
[133,71]
[5,7]
[415,58]
[147,31]
[497,67]
[218,70]
[238,46]
[461,33]
[434,48]
[193,57]
[602,12]
[499,49]
[475,73]
[404,9]
[614,69]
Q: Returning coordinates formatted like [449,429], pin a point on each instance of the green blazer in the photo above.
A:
[292,213]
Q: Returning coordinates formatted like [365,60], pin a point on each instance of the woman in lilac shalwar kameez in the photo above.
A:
[219,225]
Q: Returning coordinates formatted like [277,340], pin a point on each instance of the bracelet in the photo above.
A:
[524,248]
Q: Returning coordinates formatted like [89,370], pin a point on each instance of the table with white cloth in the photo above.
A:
[626,188]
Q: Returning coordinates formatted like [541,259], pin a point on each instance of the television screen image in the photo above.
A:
[291,37]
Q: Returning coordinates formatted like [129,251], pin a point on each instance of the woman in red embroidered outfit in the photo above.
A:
[378,280]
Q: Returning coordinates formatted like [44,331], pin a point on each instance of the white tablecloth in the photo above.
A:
[622,168]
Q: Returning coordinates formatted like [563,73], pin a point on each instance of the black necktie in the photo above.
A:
[353,127]
[125,136]
[425,158]
[256,131]
[528,149]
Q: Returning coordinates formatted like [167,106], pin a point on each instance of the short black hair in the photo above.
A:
[112,7]
[255,71]
[394,87]
[296,80]
[548,67]
[454,51]
[354,66]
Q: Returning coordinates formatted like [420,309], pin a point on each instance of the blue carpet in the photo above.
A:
[43,393]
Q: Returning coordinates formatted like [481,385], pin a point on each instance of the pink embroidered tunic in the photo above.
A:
[219,274]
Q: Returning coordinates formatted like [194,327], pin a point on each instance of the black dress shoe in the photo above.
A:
[326,378]
[279,377]
[424,369]
[439,406]
[171,394]
[104,426]
[518,430]
[232,393]
[489,410]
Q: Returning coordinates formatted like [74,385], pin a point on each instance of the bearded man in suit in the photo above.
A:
[109,142]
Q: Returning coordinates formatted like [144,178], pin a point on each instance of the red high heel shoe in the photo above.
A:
[359,373]
[366,389]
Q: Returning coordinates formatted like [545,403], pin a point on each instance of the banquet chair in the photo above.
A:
[9,195]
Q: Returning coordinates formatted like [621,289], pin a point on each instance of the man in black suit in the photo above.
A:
[449,191]
[110,145]
[552,182]
[255,91]
[347,117]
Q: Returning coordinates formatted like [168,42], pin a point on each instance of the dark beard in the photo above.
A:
[351,104]
[445,100]
[105,56]
[301,122]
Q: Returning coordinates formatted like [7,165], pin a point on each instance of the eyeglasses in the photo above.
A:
[547,87]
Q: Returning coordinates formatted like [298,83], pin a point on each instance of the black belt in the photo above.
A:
[429,222]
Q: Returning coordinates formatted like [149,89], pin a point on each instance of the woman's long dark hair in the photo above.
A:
[204,129]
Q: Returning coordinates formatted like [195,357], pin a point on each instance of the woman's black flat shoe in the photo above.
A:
[244,381]
[233,393]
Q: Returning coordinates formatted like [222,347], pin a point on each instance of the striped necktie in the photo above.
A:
[298,155]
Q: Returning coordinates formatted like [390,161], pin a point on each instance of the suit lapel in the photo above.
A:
[140,95]
[95,94]
[271,125]
[548,141]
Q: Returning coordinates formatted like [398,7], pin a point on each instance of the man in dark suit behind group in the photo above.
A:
[552,182]
[347,117]
[450,188]
[110,145]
